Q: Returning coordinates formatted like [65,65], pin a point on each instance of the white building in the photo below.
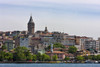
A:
[24,41]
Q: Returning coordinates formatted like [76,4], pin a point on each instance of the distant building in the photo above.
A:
[9,44]
[36,45]
[15,33]
[24,41]
[58,36]
[80,42]
[92,46]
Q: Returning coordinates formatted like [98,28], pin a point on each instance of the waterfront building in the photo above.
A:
[61,55]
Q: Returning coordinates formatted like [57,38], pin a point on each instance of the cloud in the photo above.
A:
[78,7]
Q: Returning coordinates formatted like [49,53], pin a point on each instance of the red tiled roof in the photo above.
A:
[69,54]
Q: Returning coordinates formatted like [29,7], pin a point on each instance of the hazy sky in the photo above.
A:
[75,17]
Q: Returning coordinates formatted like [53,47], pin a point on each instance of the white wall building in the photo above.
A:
[24,41]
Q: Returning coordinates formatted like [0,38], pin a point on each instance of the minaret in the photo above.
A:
[51,48]
[31,26]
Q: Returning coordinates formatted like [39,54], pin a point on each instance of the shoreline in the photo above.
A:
[48,62]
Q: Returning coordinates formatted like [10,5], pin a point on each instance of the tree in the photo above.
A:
[21,54]
[58,45]
[80,58]
[4,47]
[48,48]
[29,57]
[39,57]
[98,57]
[45,57]
[72,49]
[55,57]
[2,55]
[85,57]
[67,58]
[8,56]
[21,49]
[90,57]
[5,56]
[94,57]
[34,57]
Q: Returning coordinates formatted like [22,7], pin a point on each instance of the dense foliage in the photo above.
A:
[55,57]
[56,45]
[22,54]
[80,58]
[4,47]
[72,49]
[67,58]
[5,56]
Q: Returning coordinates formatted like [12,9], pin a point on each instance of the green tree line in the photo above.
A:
[23,54]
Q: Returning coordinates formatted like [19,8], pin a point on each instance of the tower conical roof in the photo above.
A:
[31,20]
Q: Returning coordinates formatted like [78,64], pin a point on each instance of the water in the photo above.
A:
[49,65]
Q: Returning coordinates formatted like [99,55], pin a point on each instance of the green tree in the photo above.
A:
[21,54]
[90,57]
[34,57]
[86,57]
[4,47]
[2,55]
[29,57]
[48,48]
[72,49]
[94,57]
[58,45]
[39,57]
[98,57]
[55,57]
[67,58]
[21,49]
[45,57]
[8,56]
[80,58]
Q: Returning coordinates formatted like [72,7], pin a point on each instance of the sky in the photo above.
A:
[75,17]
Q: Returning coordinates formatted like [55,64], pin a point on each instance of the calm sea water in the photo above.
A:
[49,65]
